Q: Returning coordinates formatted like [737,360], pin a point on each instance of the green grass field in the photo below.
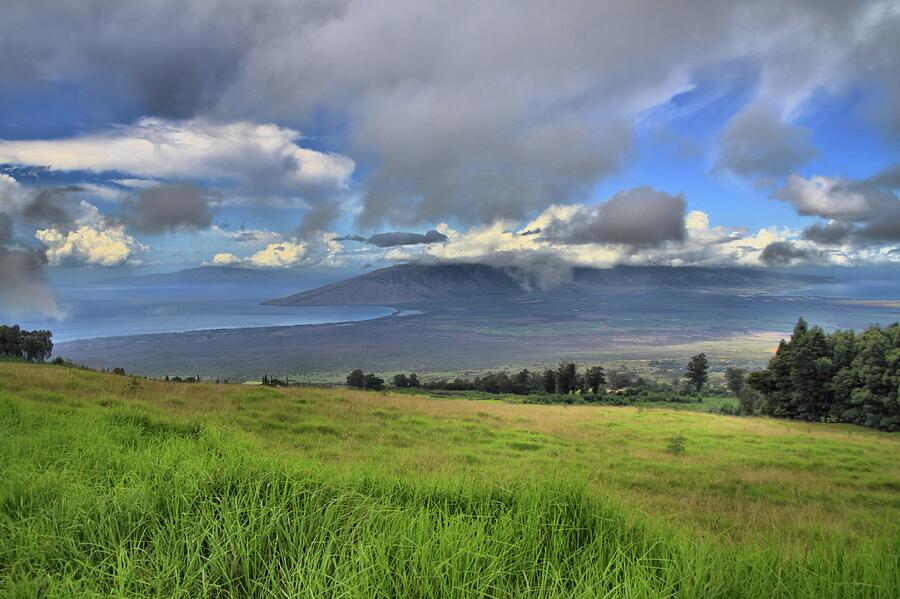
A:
[201,490]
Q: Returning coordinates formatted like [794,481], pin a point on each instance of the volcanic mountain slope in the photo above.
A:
[409,283]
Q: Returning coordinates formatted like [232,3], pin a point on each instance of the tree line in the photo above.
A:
[564,381]
[834,377]
[17,343]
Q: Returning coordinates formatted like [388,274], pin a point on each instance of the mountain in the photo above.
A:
[203,275]
[408,283]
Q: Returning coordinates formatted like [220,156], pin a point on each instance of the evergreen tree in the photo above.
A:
[697,371]
[414,381]
[734,378]
[595,378]
[566,378]
[548,381]
[401,381]
[841,377]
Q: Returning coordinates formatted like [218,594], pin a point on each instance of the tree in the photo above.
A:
[749,400]
[697,371]
[548,381]
[595,378]
[11,341]
[401,381]
[837,377]
[734,378]
[413,381]
[373,383]
[356,379]
[36,345]
[521,382]
[566,378]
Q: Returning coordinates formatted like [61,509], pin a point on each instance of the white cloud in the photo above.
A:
[824,196]
[87,244]
[703,245]
[263,157]
[279,255]
[225,259]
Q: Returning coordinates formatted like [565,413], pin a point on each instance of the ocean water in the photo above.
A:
[108,311]
[875,289]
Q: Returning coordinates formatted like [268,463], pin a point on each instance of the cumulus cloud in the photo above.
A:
[171,207]
[225,259]
[862,211]
[638,217]
[318,248]
[467,110]
[757,144]
[278,255]
[826,197]
[86,244]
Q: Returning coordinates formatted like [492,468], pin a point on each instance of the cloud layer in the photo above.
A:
[464,110]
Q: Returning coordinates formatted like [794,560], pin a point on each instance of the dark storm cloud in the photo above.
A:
[50,206]
[828,233]
[784,253]
[6,228]
[886,228]
[171,207]
[396,238]
[384,240]
[465,110]
[756,144]
[23,289]
[641,217]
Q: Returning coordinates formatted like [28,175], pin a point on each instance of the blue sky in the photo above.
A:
[152,136]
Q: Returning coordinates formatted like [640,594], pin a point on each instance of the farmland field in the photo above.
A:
[110,487]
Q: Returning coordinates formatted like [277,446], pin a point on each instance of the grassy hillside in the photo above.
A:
[216,490]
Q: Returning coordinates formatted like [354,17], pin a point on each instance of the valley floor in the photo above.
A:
[113,487]
[463,335]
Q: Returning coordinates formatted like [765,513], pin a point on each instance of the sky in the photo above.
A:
[141,136]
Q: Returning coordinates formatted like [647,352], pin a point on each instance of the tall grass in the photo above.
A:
[132,502]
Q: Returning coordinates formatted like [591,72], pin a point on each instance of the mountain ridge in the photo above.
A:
[407,283]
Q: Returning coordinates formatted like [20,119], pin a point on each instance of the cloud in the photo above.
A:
[757,144]
[23,288]
[783,253]
[384,240]
[86,244]
[262,159]
[225,259]
[826,197]
[465,110]
[829,233]
[278,255]
[638,217]
[171,207]
[865,211]
[50,205]
[6,228]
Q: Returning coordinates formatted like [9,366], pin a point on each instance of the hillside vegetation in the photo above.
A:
[111,486]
